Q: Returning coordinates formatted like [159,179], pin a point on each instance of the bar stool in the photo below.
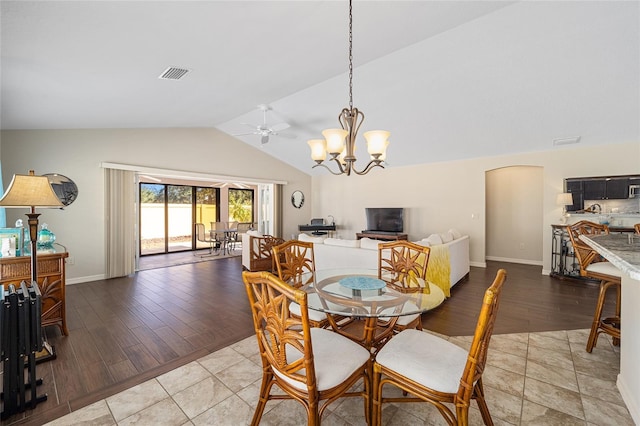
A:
[592,265]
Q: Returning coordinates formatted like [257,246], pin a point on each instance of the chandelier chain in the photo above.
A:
[350,57]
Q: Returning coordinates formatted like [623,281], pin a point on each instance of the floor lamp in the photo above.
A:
[32,191]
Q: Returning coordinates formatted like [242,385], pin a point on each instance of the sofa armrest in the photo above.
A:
[257,255]
[459,255]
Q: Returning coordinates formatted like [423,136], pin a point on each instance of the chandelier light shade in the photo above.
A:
[340,144]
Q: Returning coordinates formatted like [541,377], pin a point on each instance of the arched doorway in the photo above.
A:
[514,214]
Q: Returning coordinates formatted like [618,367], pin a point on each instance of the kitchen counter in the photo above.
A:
[623,251]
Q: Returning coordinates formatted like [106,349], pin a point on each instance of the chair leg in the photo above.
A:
[265,388]
[376,409]
[482,404]
[597,317]
[616,340]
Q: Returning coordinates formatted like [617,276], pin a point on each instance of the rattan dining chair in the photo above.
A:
[300,359]
[592,265]
[295,264]
[637,228]
[295,261]
[437,371]
[403,265]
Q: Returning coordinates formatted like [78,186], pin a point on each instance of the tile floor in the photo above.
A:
[542,378]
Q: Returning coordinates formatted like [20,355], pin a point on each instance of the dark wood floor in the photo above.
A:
[127,330]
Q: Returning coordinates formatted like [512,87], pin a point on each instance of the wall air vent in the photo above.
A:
[173,73]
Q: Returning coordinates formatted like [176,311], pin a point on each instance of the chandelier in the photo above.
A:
[341,143]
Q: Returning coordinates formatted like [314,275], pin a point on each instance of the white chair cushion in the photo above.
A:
[294,308]
[335,358]
[406,319]
[254,233]
[424,358]
[604,268]
[423,243]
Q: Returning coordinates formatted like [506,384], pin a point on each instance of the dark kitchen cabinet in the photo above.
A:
[594,189]
[617,188]
[606,188]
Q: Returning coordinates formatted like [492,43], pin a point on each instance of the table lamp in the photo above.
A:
[31,191]
[564,199]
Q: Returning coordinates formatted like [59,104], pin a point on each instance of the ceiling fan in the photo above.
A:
[264,130]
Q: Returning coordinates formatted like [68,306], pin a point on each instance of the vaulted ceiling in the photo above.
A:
[449,79]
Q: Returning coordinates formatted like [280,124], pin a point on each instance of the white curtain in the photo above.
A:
[277,210]
[120,214]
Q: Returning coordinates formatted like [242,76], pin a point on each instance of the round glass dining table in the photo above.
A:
[352,294]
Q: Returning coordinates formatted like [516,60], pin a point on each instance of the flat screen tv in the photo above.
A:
[387,219]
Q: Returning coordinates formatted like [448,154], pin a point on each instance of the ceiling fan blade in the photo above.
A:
[285,135]
[264,139]
[279,126]
[244,134]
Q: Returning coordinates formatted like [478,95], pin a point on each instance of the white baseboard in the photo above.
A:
[86,279]
[510,260]
[478,264]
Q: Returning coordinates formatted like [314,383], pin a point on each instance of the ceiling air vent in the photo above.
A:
[173,73]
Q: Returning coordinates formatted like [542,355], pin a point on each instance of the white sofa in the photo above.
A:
[448,259]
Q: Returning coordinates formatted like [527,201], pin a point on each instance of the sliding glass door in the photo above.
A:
[206,211]
[167,215]
[179,218]
[152,218]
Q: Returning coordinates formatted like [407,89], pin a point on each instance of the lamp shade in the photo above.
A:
[564,199]
[30,191]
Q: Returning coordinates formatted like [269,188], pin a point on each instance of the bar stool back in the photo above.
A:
[592,265]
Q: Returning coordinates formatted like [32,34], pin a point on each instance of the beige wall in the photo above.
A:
[445,195]
[79,153]
[514,214]
[437,196]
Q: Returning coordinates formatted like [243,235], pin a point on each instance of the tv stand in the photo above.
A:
[383,236]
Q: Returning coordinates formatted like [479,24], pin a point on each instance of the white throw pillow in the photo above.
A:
[434,239]
[369,243]
[446,237]
[456,234]
[311,239]
[342,243]
[424,243]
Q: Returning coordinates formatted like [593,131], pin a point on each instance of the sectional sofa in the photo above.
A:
[448,259]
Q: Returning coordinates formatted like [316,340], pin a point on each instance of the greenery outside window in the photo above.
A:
[240,205]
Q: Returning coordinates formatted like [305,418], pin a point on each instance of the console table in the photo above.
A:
[51,281]
[382,237]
